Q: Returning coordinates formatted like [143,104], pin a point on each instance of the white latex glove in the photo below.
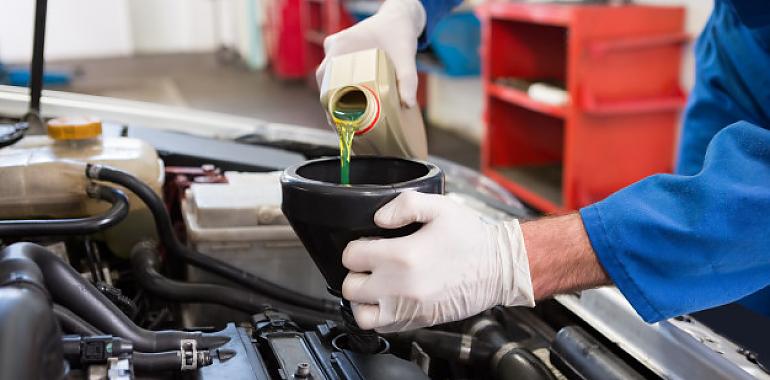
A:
[454,267]
[395,29]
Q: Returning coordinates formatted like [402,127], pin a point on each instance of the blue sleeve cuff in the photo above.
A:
[435,10]
[613,264]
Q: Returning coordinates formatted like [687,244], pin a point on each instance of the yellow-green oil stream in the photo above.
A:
[347,120]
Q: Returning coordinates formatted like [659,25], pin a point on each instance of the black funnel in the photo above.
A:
[327,215]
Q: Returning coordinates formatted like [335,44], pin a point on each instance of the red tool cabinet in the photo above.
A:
[620,65]
[282,33]
[321,18]
[294,31]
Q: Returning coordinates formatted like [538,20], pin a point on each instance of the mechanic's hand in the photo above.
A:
[395,29]
[454,267]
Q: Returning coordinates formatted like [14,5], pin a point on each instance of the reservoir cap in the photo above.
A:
[74,128]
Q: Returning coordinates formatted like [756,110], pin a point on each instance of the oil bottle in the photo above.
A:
[359,92]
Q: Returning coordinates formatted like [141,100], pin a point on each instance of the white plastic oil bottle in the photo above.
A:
[365,82]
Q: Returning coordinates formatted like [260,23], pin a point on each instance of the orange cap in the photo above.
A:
[74,128]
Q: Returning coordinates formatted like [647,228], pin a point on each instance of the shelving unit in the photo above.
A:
[520,98]
[620,65]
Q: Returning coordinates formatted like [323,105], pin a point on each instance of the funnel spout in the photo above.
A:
[327,215]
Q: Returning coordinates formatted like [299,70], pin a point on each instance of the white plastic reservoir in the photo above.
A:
[44,177]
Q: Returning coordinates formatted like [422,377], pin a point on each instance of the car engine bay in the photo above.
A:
[154,254]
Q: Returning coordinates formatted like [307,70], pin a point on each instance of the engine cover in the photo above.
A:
[273,347]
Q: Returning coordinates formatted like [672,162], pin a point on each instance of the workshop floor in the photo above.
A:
[200,81]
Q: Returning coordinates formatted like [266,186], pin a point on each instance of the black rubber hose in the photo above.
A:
[145,264]
[505,356]
[157,362]
[77,226]
[453,347]
[71,347]
[208,263]
[69,289]
[73,324]
[125,304]
[30,345]
[166,361]
[519,363]
[74,345]
[485,345]
[488,330]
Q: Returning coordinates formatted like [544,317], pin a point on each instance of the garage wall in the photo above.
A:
[104,28]
[76,29]
[172,25]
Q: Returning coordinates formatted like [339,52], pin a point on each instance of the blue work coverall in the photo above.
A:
[699,238]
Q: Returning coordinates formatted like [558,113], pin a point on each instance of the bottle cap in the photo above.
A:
[74,128]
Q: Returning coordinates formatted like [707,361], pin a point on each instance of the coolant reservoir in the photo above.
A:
[44,177]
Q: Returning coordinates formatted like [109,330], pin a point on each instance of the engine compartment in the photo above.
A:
[139,315]
[89,328]
[186,302]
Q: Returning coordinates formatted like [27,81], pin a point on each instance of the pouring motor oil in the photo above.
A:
[360,96]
